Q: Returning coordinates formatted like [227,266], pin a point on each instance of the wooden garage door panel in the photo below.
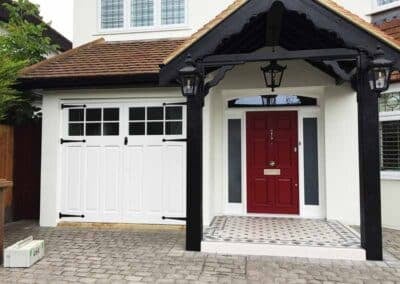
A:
[130,177]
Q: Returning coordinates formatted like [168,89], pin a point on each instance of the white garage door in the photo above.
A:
[116,167]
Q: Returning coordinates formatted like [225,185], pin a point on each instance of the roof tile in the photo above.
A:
[100,58]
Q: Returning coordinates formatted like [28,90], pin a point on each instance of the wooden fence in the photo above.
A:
[20,159]
[7,162]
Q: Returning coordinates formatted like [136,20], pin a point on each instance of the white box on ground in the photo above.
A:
[24,254]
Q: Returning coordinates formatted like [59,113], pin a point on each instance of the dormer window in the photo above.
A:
[385,2]
[383,5]
[112,14]
[142,14]
[172,12]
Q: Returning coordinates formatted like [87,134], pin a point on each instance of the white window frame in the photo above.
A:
[127,28]
[379,8]
[390,116]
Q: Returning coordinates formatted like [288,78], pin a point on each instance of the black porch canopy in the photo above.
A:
[318,31]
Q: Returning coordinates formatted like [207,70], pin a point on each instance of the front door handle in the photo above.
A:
[126,141]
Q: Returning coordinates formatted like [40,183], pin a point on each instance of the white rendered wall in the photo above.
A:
[340,123]
[390,204]
[361,8]
[341,146]
[86,23]
[50,203]
[86,27]
[390,191]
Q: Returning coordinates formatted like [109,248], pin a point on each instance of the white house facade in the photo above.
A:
[122,145]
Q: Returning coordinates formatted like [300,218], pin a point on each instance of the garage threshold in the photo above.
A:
[122,226]
[287,237]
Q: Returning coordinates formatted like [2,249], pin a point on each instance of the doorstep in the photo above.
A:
[288,237]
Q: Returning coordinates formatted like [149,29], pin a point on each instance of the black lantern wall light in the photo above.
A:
[190,78]
[273,74]
[379,72]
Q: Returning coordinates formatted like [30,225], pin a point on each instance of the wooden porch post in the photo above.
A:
[370,187]
[194,204]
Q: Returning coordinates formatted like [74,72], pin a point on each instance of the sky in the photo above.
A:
[59,13]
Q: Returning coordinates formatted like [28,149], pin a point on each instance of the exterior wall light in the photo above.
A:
[190,78]
[273,74]
[379,72]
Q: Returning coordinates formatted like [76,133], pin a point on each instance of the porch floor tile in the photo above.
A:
[281,231]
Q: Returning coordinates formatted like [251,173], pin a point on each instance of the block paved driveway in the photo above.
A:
[118,256]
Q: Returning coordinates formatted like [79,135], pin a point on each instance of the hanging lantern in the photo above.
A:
[273,74]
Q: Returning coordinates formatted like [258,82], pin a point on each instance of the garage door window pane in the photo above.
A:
[137,128]
[173,128]
[75,129]
[93,114]
[111,114]
[137,113]
[155,128]
[76,115]
[93,129]
[111,129]
[155,113]
[174,113]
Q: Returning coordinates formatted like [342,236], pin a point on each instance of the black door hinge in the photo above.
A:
[63,106]
[61,215]
[175,140]
[174,218]
[62,141]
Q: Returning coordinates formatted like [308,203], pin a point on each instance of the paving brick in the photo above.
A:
[126,256]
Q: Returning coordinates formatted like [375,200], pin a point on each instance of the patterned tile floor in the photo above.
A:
[281,231]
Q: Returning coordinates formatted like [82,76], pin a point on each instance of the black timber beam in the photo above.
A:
[210,41]
[194,187]
[274,24]
[322,17]
[264,55]
[370,187]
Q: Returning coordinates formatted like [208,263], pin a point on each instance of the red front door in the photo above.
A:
[272,162]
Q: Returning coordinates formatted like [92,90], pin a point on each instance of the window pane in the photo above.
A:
[93,114]
[76,115]
[235,161]
[93,129]
[111,114]
[155,128]
[173,128]
[111,129]
[75,129]
[389,102]
[311,181]
[172,12]
[272,101]
[173,113]
[155,113]
[112,14]
[142,13]
[384,2]
[390,145]
[137,128]
[137,113]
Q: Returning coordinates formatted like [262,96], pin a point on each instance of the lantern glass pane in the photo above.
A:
[188,85]
[380,76]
